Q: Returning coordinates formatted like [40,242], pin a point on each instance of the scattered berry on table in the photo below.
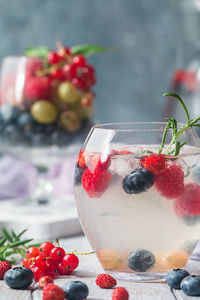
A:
[4,267]
[140,180]
[19,278]
[105,281]
[189,202]
[50,268]
[44,280]
[154,163]
[57,254]
[52,292]
[38,88]
[175,277]
[120,293]
[141,260]
[45,248]
[170,183]
[190,285]
[75,290]
[96,182]
[78,172]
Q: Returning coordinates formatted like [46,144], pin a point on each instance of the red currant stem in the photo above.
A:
[20,251]
[80,253]
[58,243]
[60,46]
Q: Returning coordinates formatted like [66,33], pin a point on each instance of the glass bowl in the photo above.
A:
[42,125]
[140,214]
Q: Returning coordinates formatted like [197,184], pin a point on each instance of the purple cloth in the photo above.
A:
[17,178]
[61,176]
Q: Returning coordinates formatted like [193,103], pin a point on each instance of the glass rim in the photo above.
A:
[118,126]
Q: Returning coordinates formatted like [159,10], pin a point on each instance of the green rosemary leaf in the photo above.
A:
[2,241]
[180,100]
[20,234]
[13,234]
[19,243]
[7,235]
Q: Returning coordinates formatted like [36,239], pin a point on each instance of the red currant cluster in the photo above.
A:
[49,260]
[65,66]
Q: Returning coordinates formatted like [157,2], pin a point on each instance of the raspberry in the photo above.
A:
[96,182]
[33,65]
[120,293]
[154,163]
[4,267]
[189,202]
[98,161]
[105,281]
[52,292]
[45,280]
[170,182]
[38,88]
[83,159]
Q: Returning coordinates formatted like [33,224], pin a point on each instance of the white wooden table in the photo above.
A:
[87,271]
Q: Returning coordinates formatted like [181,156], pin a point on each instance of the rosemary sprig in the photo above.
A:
[11,243]
[176,132]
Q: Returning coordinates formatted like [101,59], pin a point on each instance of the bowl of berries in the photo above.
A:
[137,188]
[46,104]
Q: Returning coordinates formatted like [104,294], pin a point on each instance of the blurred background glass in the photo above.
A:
[132,78]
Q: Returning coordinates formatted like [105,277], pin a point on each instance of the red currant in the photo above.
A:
[32,252]
[64,51]
[62,270]
[45,249]
[25,262]
[57,73]
[70,262]
[38,272]
[57,254]
[53,57]
[79,60]
[69,71]
[40,261]
[50,268]
[79,83]
[88,71]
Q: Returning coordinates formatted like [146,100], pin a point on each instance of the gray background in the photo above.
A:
[131,79]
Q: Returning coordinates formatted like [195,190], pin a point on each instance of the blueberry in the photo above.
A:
[38,128]
[60,138]
[9,113]
[75,290]
[25,119]
[141,260]
[140,180]
[38,140]
[190,285]
[78,172]
[19,278]
[175,277]
[12,135]
[50,128]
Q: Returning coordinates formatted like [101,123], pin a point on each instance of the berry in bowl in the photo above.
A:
[46,104]
[137,198]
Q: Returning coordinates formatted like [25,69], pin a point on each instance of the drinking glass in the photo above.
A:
[139,230]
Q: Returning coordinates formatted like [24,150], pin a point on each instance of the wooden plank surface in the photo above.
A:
[87,271]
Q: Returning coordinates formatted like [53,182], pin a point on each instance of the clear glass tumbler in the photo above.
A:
[140,211]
